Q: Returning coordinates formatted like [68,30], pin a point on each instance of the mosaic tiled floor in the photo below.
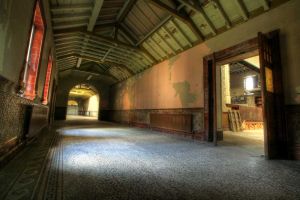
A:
[93,160]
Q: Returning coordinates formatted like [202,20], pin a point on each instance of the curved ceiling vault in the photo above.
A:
[114,39]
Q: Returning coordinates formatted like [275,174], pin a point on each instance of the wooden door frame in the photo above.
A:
[274,142]
[242,50]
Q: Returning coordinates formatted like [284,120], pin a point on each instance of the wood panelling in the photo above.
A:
[253,114]
[175,122]
[39,120]
[293,129]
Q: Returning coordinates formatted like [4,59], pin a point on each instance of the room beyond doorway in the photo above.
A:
[266,46]
[83,102]
[239,97]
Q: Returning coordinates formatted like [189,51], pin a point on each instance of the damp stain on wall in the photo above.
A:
[183,91]
[171,64]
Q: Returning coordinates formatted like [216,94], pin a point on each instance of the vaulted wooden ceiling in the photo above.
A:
[112,40]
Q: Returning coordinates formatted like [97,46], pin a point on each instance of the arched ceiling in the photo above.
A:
[115,39]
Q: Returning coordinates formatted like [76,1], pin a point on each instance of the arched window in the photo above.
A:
[33,54]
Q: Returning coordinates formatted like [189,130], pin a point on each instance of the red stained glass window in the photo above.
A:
[34,54]
[47,80]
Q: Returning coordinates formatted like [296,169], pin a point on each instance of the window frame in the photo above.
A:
[45,101]
[24,71]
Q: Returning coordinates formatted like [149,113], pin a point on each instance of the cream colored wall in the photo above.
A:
[155,88]
[175,83]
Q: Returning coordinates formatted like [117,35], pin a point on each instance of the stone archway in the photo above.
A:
[83,102]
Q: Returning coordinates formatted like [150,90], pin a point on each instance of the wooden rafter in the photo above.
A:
[68,8]
[94,59]
[180,16]
[265,4]
[125,10]
[242,8]
[223,13]
[194,5]
[95,13]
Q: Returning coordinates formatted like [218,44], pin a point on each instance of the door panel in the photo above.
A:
[272,90]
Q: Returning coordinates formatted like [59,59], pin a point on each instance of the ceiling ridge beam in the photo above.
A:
[125,10]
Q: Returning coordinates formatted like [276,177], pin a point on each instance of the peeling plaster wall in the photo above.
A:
[171,84]
[178,82]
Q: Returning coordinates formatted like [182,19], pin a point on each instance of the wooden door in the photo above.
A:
[210,99]
[272,92]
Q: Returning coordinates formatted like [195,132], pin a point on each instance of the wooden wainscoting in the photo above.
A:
[293,127]
[172,122]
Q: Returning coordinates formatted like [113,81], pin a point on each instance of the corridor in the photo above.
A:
[88,159]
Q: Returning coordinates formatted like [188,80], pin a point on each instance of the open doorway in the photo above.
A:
[267,47]
[83,102]
[239,97]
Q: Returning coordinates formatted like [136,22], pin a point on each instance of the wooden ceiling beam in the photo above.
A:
[128,36]
[70,17]
[242,8]
[67,8]
[222,13]
[157,27]
[115,43]
[173,38]
[95,74]
[96,60]
[105,55]
[125,10]
[249,66]
[179,16]
[265,4]
[181,33]
[89,47]
[95,13]
[194,6]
